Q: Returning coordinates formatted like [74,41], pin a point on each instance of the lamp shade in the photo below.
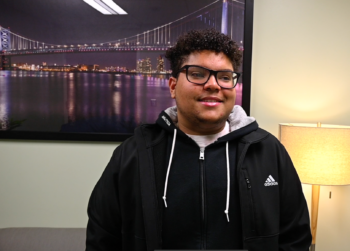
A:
[321,155]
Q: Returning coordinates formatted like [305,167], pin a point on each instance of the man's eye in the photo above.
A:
[225,78]
[197,75]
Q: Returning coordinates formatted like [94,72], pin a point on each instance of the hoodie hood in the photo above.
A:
[237,119]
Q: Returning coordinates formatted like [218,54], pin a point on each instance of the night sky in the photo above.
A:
[74,21]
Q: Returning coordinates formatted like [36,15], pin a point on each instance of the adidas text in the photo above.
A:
[271,184]
[166,120]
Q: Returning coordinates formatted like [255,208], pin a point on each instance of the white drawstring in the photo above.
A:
[168,170]
[228,175]
[228,182]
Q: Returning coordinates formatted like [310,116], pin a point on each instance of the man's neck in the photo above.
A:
[204,140]
[202,129]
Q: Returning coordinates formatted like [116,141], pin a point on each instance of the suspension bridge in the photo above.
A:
[226,16]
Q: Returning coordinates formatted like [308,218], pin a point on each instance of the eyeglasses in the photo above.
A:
[199,75]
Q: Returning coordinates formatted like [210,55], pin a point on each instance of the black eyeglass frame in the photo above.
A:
[211,72]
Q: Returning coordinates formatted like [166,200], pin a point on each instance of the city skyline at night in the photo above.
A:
[138,67]
[59,51]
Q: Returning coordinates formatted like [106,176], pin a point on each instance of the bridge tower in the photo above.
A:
[224,17]
[5,44]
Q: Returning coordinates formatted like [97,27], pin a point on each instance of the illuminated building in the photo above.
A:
[144,65]
[160,64]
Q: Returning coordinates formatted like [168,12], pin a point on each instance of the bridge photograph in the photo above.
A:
[68,66]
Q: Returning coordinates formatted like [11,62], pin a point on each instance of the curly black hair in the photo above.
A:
[200,40]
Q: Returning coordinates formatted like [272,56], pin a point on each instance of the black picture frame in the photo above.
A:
[117,137]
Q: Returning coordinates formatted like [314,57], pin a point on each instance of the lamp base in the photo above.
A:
[312,247]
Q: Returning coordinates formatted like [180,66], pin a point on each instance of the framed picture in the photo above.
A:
[93,70]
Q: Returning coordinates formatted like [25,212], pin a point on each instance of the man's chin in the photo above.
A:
[212,118]
[211,122]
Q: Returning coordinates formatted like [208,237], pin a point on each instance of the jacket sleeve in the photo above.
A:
[104,224]
[295,234]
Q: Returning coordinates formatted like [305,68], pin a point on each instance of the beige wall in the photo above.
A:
[300,74]
[48,183]
[301,60]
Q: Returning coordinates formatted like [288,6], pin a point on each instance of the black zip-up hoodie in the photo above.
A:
[202,202]
[127,212]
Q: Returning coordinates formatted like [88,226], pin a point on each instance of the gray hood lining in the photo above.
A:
[237,118]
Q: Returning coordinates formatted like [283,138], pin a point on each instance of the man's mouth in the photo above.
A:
[210,101]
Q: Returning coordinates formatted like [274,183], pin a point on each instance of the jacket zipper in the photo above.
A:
[249,191]
[201,160]
[249,186]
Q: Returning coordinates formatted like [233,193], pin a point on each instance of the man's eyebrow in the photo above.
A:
[208,68]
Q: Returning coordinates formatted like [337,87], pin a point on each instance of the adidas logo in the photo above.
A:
[270,181]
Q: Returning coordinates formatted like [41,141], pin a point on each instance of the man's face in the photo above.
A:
[203,109]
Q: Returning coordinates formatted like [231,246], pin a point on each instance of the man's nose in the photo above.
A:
[212,84]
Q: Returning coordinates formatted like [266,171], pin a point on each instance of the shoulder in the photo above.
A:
[149,134]
[260,136]
[145,135]
[264,144]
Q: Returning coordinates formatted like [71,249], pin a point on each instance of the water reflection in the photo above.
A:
[83,102]
[80,102]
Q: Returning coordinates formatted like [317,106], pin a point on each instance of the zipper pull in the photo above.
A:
[248,183]
[201,153]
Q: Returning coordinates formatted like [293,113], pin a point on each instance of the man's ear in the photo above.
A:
[172,86]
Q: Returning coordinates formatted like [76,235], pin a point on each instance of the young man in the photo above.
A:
[205,176]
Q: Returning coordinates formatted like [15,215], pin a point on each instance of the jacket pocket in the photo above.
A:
[132,242]
[262,243]
[247,206]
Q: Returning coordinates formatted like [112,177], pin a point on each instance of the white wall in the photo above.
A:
[300,74]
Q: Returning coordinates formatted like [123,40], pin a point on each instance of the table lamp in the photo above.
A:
[321,156]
